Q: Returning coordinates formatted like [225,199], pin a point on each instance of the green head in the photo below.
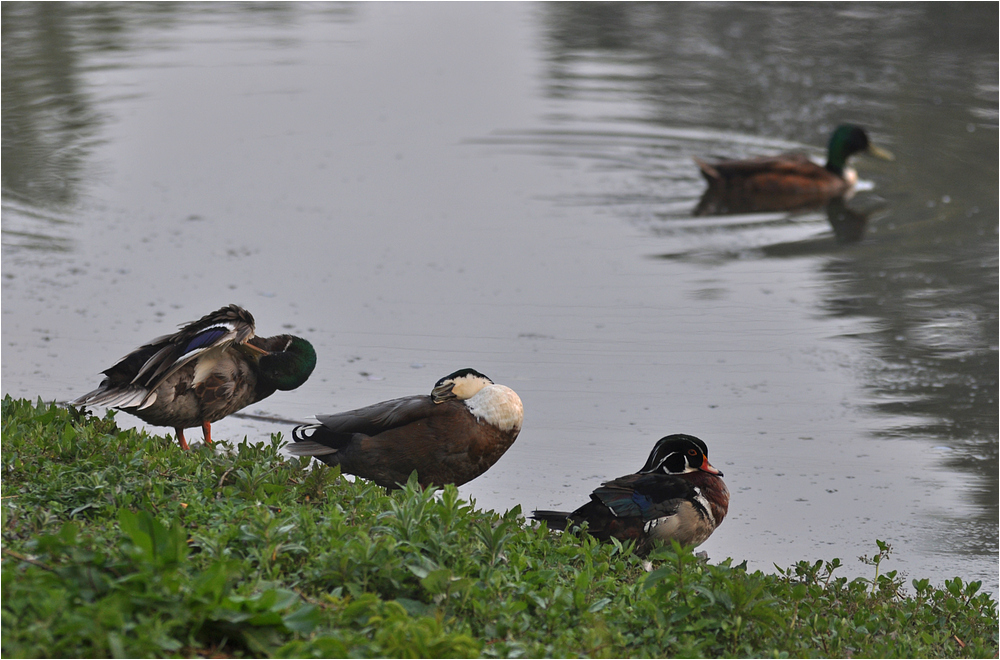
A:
[847,140]
[289,362]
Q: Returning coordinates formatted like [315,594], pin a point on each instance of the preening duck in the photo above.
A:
[451,436]
[676,495]
[209,369]
[787,181]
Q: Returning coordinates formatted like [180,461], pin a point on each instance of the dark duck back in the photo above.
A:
[449,437]
[208,370]
[676,495]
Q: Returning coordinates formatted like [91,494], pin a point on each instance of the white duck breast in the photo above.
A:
[498,406]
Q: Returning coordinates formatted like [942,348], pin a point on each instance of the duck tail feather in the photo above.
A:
[118,397]
[555,519]
[707,171]
[308,448]
[312,440]
[319,434]
[304,432]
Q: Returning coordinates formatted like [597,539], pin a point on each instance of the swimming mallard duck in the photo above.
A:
[676,495]
[787,181]
[209,369]
[451,436]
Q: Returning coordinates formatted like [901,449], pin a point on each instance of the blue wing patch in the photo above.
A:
[205,338]
[643,502]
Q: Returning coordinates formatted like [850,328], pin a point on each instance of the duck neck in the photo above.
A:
[837,158]
[844,141]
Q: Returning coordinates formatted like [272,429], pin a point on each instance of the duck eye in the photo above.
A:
[692,452]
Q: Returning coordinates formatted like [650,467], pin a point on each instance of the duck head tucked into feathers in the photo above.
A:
[207,370]
[463,384]
[451,436]
[494,404]
[677,494]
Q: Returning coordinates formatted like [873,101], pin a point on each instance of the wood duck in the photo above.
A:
[676,495]
[209,369]
[449,437]
[787,181]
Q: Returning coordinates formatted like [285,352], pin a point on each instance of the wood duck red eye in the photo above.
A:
[692,452]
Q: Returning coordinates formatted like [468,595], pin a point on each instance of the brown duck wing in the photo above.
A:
[444,444]
[335,432]
[124,371]
[784,163]
[788,174]
[132,380]
[118,387]
[227,326]
[380,417]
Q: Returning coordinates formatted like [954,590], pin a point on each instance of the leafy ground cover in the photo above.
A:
[116,543]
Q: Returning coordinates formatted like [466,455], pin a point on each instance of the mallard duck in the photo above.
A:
[676,495]
[451,436]
[209,369]
[787,181]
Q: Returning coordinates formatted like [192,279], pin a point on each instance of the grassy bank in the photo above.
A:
[116,543]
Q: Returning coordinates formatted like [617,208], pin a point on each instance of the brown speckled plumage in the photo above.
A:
[208,370]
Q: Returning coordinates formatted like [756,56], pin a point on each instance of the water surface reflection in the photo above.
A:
[914,256]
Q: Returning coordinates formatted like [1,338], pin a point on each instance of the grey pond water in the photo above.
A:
[417,188]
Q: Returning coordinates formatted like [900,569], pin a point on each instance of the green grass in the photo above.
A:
[116,543]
